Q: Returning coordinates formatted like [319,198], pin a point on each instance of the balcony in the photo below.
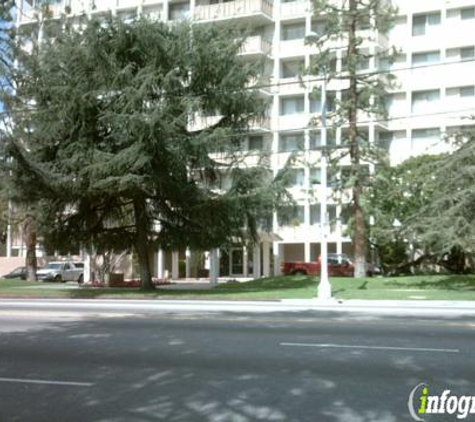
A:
[256,46]
[255,11]
[295,8]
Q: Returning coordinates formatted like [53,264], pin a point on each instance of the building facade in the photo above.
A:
[434,93]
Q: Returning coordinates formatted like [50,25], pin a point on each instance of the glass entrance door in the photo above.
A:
[237,262]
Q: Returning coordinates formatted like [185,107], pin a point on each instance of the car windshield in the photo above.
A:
[54,266]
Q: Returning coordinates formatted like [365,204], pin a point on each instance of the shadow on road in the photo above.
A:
[219,368]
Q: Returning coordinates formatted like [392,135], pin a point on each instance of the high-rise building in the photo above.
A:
[434,93]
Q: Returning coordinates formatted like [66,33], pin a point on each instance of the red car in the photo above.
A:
[339,265]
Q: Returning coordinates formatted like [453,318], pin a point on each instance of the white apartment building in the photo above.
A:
[435,92]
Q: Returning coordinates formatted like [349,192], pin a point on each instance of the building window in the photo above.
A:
[294,31]
[319,27]
[297,178]
[178,11]
[256,143]
[467,13]
[424,100]
[422,23]
[315,214]
[291,142]
[462,92]
[292,105]
[429,133]
[291,216]
[345,214]
[467,53]
[292,68]
[426,57]
[316,139]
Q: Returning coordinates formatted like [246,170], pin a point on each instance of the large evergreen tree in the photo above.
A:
[354,27]
[111,148]
[6,63]
[446,225]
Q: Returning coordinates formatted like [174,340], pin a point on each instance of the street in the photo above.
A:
[99,364]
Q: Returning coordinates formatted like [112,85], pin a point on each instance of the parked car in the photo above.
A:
[339,265]
[61,272]
[19,272]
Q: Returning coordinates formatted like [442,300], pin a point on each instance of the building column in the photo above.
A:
[87,276]
[266,259]
[256,259]
[160,264]
[213,266]
[277,252]
[175,268]
[308,252]
[187,263]
[245,262]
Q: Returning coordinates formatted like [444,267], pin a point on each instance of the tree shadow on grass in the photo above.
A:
[264,285]
[452,283]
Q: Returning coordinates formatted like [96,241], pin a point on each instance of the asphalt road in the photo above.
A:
[198,366]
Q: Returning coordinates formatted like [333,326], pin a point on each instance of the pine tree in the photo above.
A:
[112,151]
[354,27]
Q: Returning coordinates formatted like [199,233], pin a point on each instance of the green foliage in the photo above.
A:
[113,157]
[447,223]
[396,195]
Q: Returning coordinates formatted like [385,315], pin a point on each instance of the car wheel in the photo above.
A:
[300,272]
[81,279]
[58,279]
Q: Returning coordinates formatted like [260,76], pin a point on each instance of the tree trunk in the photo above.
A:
[359,234]
[29,239]
[142,244]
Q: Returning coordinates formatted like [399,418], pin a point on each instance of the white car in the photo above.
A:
[61,272]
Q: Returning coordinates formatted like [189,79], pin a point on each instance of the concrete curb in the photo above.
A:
[386,308]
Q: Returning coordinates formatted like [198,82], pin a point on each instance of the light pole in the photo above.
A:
[324,290]
[324,287]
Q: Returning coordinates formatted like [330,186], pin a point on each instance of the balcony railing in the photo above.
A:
[233,9]
[256,45]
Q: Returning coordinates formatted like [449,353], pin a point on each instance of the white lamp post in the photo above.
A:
[324,287]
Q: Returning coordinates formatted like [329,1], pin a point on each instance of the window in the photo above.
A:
[294,31]
[297,178]
[426,133]
[319,27]
[178,11]
[422,100]
[467,13]
[345,213]
[292,68]
[467,91]
[421,23]
[292,142]
[426,57]
[467,53]
[291,216]
[315,214]
[316,176]
[315,103]
[316,139]
[292,105]
[256,143]
[462,92]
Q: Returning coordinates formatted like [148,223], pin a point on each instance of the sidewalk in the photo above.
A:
[444,309]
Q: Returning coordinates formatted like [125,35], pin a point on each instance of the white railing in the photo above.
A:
[256,45]
[233,9]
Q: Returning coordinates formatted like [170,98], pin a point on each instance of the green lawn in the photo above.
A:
[431,287]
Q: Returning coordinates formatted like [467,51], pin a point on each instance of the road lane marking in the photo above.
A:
[47,382]
[348,346]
